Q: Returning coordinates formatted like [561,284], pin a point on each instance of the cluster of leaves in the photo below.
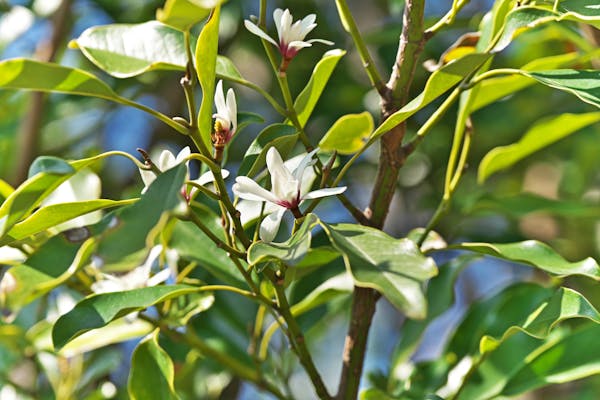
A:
[223,279]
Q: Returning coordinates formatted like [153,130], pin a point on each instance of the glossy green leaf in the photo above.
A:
[564,304]
[348,134]
[585,11]
[182,14]
[98,310]
[523,363]
[538,255]
[519,20]
[125,50]
[50,266]
[307,99]
[186,239]
[19,73]
[52,215]
[375,394]
[491,90]
[573,357]
[152,372]
[492,22]
[206,67]
[583,84]
[118,331]
[524,203]
[281,136]
[438,83]
[325,292]
[394,267]
[50,165]
[290,252]
[544,133]
[226,69]
[122,245]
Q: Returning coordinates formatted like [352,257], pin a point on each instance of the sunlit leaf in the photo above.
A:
[328,290]
[307,99]
[491,90]
[152,372]
[26,74]
[98,310]
[348,134]
[544,133]
[536,254]
[394,267]
[125,50]
[182,14]
[521,19]
[438,83]
[583,84]
[206,65]
[50,216]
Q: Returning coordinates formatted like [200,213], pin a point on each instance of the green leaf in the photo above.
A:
[307,99]
[5,190]
[331,288]
[186,239]
[585,11]
[281,136]
[125,50]
[521,204]
[536,254]
[183,14]
[290,252]
[348,134]
[19,73]
[226,69]
[491,90]
[50,165]
[55,214]
[50,266]
[438,83]
[583,84]
[98,310]
[523,363]
[564,304]
[394,267]
[120,245]
[206,65]
[152,372]
[544,133]
[521,19]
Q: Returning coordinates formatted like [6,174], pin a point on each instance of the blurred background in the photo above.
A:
[501,210]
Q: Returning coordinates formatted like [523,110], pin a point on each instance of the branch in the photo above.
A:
[392,158]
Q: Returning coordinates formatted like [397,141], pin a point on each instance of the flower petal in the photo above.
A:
[327,42]
[259,32]
[246,188]
[220,99]
[298,44]
[305,162]
[270,225]
[166,160]
[283,184]
[232,110]
[315,194]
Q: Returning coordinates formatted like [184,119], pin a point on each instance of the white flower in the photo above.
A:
[225,117]
[291,35]
[287,191]
[139,277]
[167,160]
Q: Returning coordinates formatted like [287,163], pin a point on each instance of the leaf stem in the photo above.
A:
[350,25]
[191,216]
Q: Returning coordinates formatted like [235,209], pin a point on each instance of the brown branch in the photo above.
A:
[28,138]
[391,159]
